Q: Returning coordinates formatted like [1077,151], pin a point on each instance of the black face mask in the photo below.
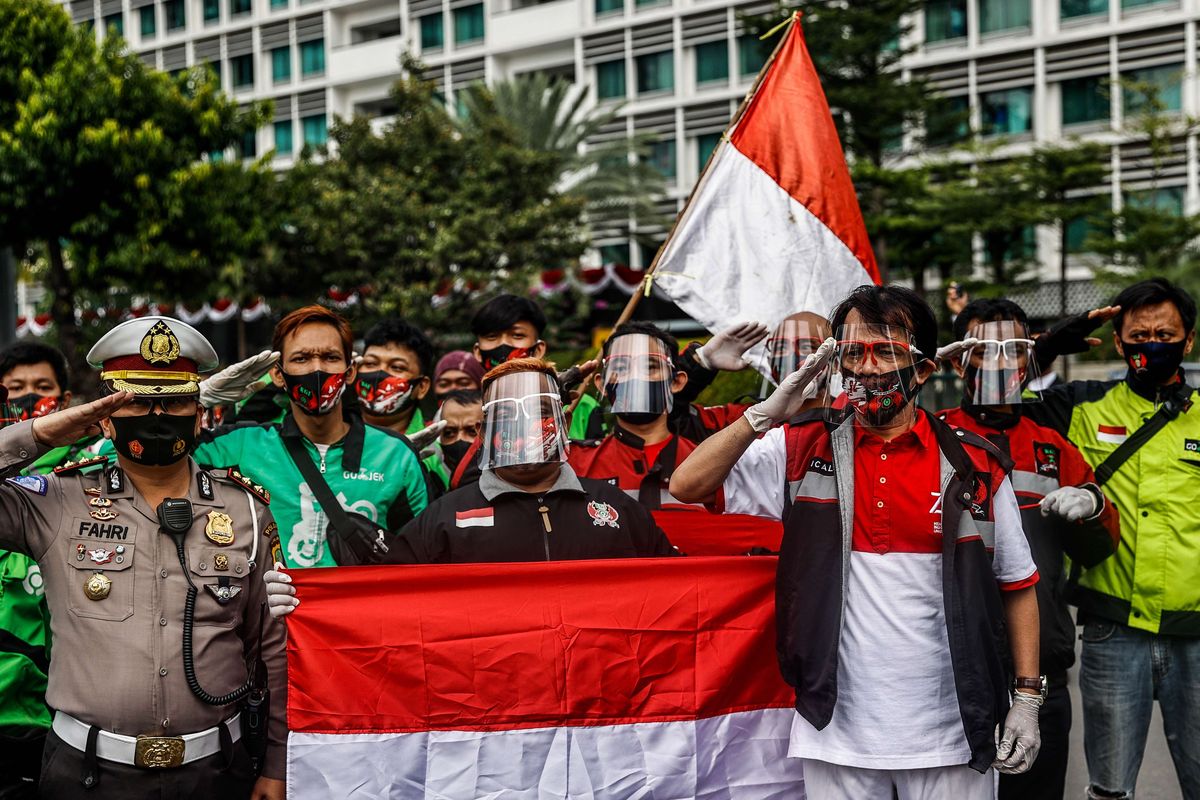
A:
[655,399]
[315,393]
[1154,362]
[453,453]
[495,356]
[156,440]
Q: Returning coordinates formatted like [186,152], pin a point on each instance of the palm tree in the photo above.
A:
[551,115]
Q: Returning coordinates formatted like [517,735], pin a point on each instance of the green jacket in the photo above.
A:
[372,471]
[1153,581]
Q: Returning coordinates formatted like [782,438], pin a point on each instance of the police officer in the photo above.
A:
[528,504]
[163,650]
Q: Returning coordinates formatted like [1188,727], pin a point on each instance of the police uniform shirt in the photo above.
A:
[116,593]
[494,521]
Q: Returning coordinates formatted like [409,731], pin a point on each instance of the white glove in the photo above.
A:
[281,595]
[1072,503]
[953,351]
[237,381]
[787,400]
[725,350]
[427,435]
[1021,739]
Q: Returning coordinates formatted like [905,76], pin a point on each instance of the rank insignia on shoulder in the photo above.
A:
[116,480]
[75,466]
[31,483]
[255,489]
[204,485]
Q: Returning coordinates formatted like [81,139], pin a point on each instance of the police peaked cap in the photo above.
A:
[153,356]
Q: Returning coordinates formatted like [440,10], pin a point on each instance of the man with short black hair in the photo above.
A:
[902,564]
[508,327]
[462,411]
[1138,609]
[393,376]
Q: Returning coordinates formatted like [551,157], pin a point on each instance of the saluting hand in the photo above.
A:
[788,398]
[237,381]
[725,350]
[427,435]
[72,424]
[953,351]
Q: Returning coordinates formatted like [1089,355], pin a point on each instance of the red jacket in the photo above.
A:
[620,459]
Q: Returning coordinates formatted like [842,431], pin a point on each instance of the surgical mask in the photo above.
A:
[878,399]
[495,356]
[1154,362]
[156,440]
[316,393]
[647,391]
[453,454]
[384,394]
[32,405]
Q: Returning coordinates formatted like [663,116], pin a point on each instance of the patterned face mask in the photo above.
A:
[384,394]
[315,393]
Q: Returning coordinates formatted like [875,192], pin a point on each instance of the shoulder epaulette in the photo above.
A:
[234,475]
[586,442]
[76,466]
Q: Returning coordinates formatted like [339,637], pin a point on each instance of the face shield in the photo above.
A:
[787,347]
[523,421]
[878,367]
[997,370]
[637,376]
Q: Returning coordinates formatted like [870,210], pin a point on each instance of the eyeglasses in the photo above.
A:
[882,351]
[531,406]
[779,348]
[175,406]
[449,434]
[1011,349]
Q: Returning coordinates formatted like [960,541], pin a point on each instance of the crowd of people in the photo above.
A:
[927,562]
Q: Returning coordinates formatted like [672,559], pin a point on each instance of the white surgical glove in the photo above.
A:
[725,350]
[281,595]
[237,381]
[427,435]
[787,400]
[953,351]
[1021,739]
[1072,503]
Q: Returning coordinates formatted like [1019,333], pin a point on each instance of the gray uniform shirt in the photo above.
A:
[117,662]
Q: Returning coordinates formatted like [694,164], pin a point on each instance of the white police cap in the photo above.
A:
[153,356]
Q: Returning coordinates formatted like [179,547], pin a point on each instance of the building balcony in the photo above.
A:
[533,25]
[352,63]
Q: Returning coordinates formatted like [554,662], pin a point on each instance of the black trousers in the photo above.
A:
[1047,778]
[20,760]
[64,767]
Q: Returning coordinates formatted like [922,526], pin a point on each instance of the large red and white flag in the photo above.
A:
[585,679]
[773,225]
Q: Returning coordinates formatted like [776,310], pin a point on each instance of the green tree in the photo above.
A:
[92,145]
[551,116]
[428,216]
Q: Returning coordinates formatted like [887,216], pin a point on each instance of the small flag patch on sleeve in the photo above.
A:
[1112,434]
[475,518]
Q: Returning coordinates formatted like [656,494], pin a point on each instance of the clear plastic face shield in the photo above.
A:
[523,421]
[792,341]
[997,370]
[637,375]
[879,366]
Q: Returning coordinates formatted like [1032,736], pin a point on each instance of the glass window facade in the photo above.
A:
[610,79]
[1007,113]
[1166,83]
[211,10]
[1084,100]
[146,22]
[281,64]
[1081,8]
[279,3]
[656,72]
[950,123]
[284,143]
[712,62]
[662,157]
[240,7]
[248,146]
[945,20]
[705,145]
[115,23]
[609,6]
[752,54]
[241,71]
[1003,15]
[468,24]
[175,13]
[316,130]
[433,32]
[312,57]
[1141,3]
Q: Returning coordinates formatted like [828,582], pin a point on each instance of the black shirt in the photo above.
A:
[493,521]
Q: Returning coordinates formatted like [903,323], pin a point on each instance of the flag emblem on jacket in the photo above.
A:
[475,518]
[1112,434]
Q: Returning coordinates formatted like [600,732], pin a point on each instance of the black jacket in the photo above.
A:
[491,521]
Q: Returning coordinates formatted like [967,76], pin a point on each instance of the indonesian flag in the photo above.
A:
[773,225]
[573,679]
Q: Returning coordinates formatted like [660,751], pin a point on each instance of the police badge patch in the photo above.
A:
[31,483]
[603,514]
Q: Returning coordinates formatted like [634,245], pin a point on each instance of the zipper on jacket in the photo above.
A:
[322,464]
[544,511]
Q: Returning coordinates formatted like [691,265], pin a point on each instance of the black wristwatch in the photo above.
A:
[1038,683]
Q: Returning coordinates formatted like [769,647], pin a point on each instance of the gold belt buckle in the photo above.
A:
[158,752]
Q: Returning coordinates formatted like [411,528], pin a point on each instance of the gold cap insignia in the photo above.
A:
[159,345]
[219,528]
